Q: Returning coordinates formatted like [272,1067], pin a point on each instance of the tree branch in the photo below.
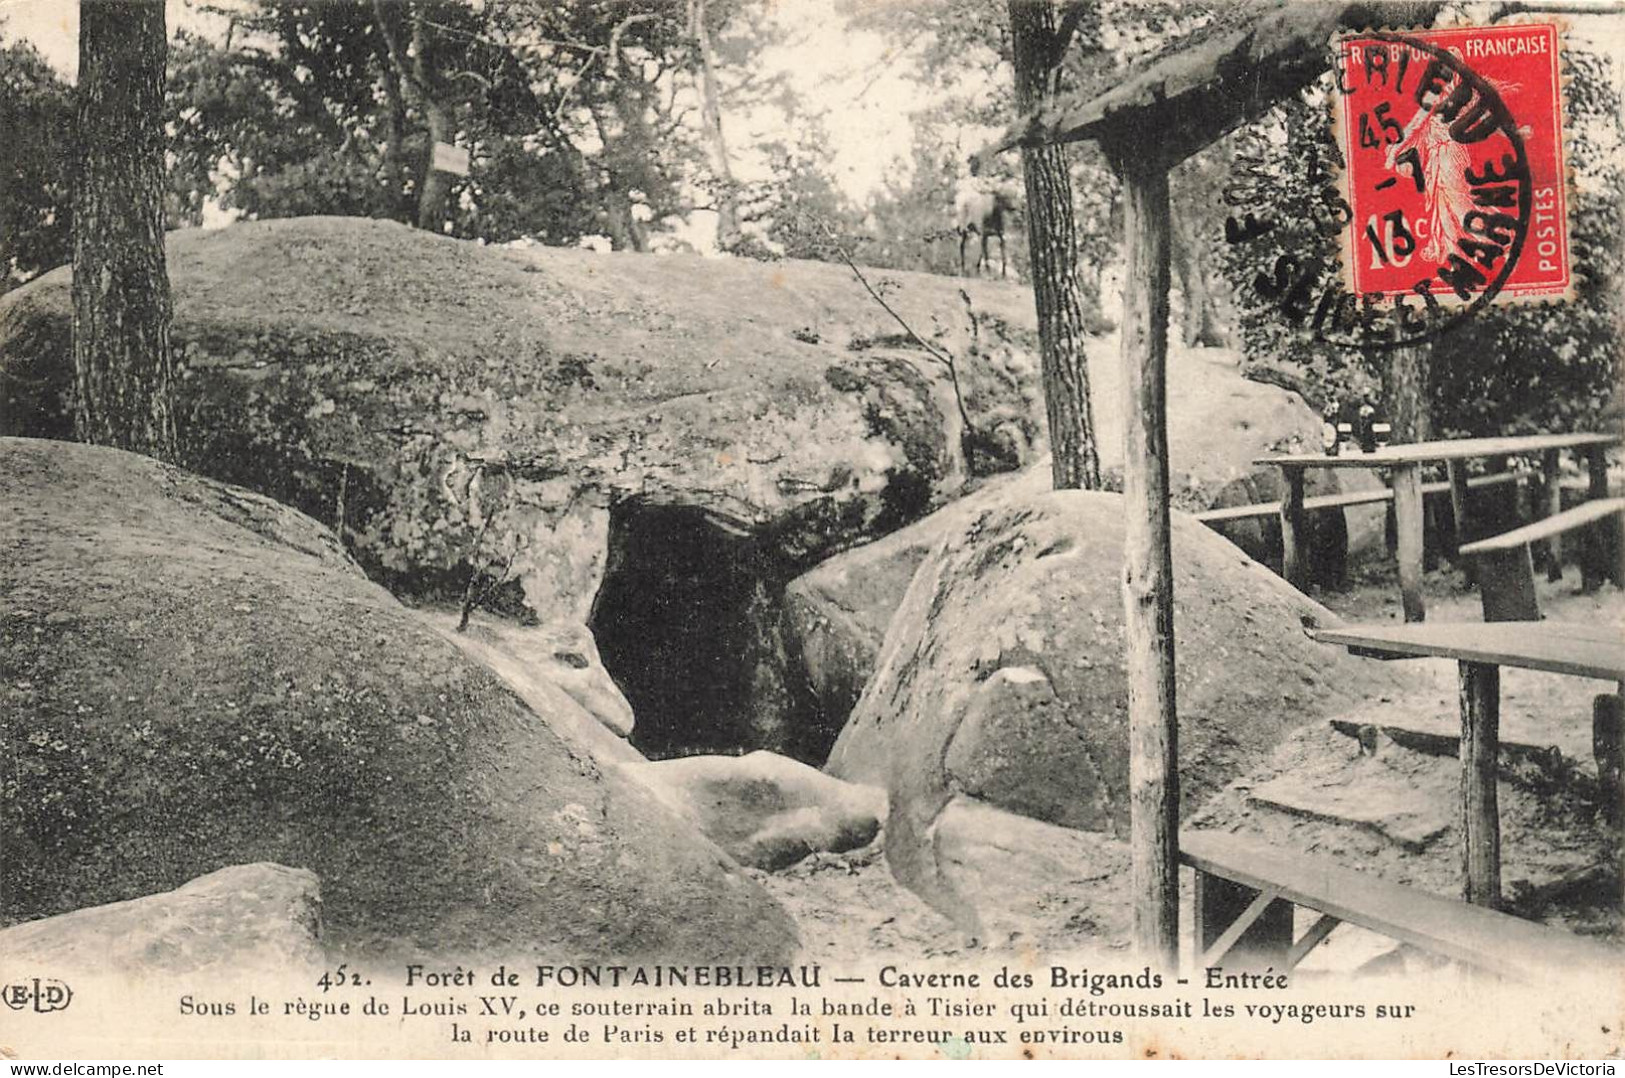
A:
[1074,14]
[570,88]
[397,58]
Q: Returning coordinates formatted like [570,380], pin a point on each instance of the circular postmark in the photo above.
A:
[1431,207]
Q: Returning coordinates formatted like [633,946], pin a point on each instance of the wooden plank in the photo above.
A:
[1569,519]
[1346,499]
[1479,482]
[1475,935]
[1580,630]
[1408,510]
[1551,477]
[1454,449]
[1256,511]
[1480,695]
[1269,509]
[1148,572]
[1538,645]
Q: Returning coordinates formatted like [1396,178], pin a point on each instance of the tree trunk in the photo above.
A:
[621,224]
[1198,322]
[726,195]
[121,306]
[436,184]
[417,78]
[1405,392]
[1052,250]
[396,205]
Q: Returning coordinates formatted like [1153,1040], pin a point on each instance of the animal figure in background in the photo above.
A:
[982,208]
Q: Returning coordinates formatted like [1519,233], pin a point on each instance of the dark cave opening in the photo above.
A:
[689,623]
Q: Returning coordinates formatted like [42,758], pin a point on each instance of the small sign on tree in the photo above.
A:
[448,158]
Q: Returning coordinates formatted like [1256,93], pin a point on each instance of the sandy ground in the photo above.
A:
[1390,812]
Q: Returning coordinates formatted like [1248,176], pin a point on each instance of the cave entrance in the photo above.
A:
[689,623]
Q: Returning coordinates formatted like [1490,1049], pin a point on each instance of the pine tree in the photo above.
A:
[121,304]
[1039,42]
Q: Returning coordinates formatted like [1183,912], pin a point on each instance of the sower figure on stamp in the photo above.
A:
[1439,164]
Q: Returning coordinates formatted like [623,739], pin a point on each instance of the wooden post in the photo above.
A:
[1461,532]
[1294,529]
[1408,509]
[1597,469]
[1506,585]
[1266,941]
[1480,755]
[1551,479]
[1608,744]
[1148,577]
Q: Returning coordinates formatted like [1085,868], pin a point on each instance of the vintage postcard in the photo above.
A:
[812,529]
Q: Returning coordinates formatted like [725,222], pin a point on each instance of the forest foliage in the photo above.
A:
[624,121]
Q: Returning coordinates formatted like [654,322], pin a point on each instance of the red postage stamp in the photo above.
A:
[1455,170]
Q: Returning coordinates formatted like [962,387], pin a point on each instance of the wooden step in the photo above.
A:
[1474,935]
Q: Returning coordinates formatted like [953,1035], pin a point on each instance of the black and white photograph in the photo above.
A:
[812,529]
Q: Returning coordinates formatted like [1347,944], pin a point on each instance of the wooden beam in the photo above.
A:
[1214,955]
[1265,938]
[1148,574]
[1581,516]
[1230,72]
[1551,492]
[1595,546]
[1311,939]
[1480,804]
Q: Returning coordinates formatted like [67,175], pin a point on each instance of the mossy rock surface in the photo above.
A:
[406,388]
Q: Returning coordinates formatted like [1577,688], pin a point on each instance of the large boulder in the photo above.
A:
[836,613]
[195,676]
[1001,676]
[766,810]
[239,918]
[646,447]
